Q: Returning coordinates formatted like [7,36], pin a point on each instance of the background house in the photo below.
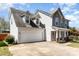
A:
[4,25]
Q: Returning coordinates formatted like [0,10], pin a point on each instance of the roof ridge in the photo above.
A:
[44,12]
[16,10]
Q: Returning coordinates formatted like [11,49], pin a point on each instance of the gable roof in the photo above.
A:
[52,13]
[46,13]
[17,16]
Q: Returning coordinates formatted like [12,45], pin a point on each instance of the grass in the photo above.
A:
[3,43]
[74,44]
[4,51]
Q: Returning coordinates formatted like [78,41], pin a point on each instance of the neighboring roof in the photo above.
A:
[17,16]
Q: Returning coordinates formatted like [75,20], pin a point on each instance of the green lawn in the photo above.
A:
[75,45]
[4,51]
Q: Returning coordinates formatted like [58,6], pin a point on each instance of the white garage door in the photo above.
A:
[32,36]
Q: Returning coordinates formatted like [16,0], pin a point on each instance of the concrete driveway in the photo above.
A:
[43,49]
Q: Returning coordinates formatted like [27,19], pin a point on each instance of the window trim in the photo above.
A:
[38,22]
[27,20]
[24,18]
[56,21]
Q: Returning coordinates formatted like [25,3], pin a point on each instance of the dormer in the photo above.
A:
[26,19]
[38,22]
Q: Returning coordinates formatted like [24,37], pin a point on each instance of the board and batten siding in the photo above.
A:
[57,19]
[61,22]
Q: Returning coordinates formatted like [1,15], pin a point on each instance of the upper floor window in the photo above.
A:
[62,22]
[25,19]
[37,21]
[66,23]
[56,20]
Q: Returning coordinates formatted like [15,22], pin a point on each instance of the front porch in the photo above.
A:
[59,35]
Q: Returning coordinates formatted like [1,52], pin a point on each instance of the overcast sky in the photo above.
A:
[70,11]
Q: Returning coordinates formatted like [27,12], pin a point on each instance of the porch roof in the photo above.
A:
[60,29]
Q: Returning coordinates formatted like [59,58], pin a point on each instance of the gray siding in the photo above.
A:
[60,22]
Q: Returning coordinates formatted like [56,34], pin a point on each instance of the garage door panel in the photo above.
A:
[32,36]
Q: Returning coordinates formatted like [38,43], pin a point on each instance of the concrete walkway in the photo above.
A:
[43,49]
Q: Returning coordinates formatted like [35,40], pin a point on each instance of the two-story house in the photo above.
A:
[41,26]
[55,24]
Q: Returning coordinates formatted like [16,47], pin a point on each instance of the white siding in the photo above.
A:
[48,25]
[13,28]
[45,20]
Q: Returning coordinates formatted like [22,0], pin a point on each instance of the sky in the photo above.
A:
[69,10]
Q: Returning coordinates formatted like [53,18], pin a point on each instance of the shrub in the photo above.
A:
[61,40]
[9,39]
[2,43]
[71,37]
[74,38]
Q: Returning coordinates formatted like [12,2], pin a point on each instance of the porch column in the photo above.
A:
[57,35]
[65,34]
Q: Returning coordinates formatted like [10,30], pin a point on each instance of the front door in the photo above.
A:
[53,35]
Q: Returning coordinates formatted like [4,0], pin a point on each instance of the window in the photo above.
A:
[37,21]
[62,22]
[25,19]
[62,34]
[56,21]
[65,23]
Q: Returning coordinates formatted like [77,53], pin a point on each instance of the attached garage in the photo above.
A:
[23,27]
[31,35]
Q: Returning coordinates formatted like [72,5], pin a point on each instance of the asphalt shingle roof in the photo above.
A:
[17,14]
